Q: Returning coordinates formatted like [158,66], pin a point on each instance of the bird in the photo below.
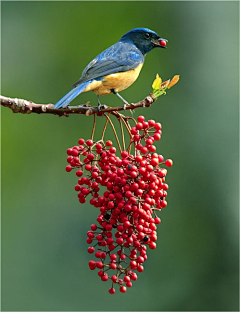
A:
[116,68]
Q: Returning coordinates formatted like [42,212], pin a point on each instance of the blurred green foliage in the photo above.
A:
[45,47]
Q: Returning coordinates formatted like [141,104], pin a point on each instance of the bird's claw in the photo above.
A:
[132,111]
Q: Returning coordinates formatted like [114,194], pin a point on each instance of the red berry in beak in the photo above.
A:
[163,43]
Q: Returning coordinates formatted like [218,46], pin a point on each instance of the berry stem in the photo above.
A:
[122,132]
[114,131]
[94,125]
[104,129]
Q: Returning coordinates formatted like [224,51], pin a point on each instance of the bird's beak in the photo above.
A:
[160,42]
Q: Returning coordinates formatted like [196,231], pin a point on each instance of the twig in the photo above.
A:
[28,107]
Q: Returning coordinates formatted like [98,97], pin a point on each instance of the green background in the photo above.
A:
[45,47]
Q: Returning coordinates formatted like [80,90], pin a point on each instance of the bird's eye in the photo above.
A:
[147,35]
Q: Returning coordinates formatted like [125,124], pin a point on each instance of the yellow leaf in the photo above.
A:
[157,83]
[165,84]
[173,81]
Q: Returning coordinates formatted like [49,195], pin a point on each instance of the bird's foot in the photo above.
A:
[101,106]
[124,101]
[125,106]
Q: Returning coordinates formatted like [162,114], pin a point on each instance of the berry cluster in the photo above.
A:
[135,189]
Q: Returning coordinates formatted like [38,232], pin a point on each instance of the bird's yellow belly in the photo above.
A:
[116,82]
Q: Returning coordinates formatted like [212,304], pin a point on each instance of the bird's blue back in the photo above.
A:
[120,57]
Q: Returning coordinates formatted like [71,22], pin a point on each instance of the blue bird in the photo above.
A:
[116,68]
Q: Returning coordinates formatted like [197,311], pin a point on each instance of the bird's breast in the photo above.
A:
[118,81]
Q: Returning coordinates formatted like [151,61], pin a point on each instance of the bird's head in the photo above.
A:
[144,39]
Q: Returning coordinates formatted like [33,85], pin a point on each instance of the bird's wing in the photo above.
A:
[118,58]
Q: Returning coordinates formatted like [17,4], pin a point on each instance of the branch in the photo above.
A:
[28,107]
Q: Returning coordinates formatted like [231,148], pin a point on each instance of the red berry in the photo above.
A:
[152,245]
[114,278]
[140,259]
[90,249]
[140,268]
[99,264]
[113,266]
[160,158]
[99,146]
[127,278]
[111,291]
[91,263]
[129,284]
[98,254]
[74,152]
[136,138]
[111,247]
[69,159]
[126,224]
[93,227]
[123,289]
[128,194]
[152,148]
[138,146]
[120,228]
[90,156]
[108,227]
[141,118]
[113,257]
[138,158]
[81,141]
[139,126]
[69,151]
[77,188]
[149,142]
[88,167]
[134,276]
[104,278]
[89,240]
[112,150]
[151,123]
[79,173]
[119,241]
[154,162]
[110,205]
[144,150]
[145,125]
[68,168]
[109,143]
[133,265]
[158,126]
[163,203]
[89,142]
[157,136]
[168,163]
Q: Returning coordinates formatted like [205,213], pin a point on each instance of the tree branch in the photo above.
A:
[28,107]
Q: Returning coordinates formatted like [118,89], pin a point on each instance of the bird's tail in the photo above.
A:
[64,102]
